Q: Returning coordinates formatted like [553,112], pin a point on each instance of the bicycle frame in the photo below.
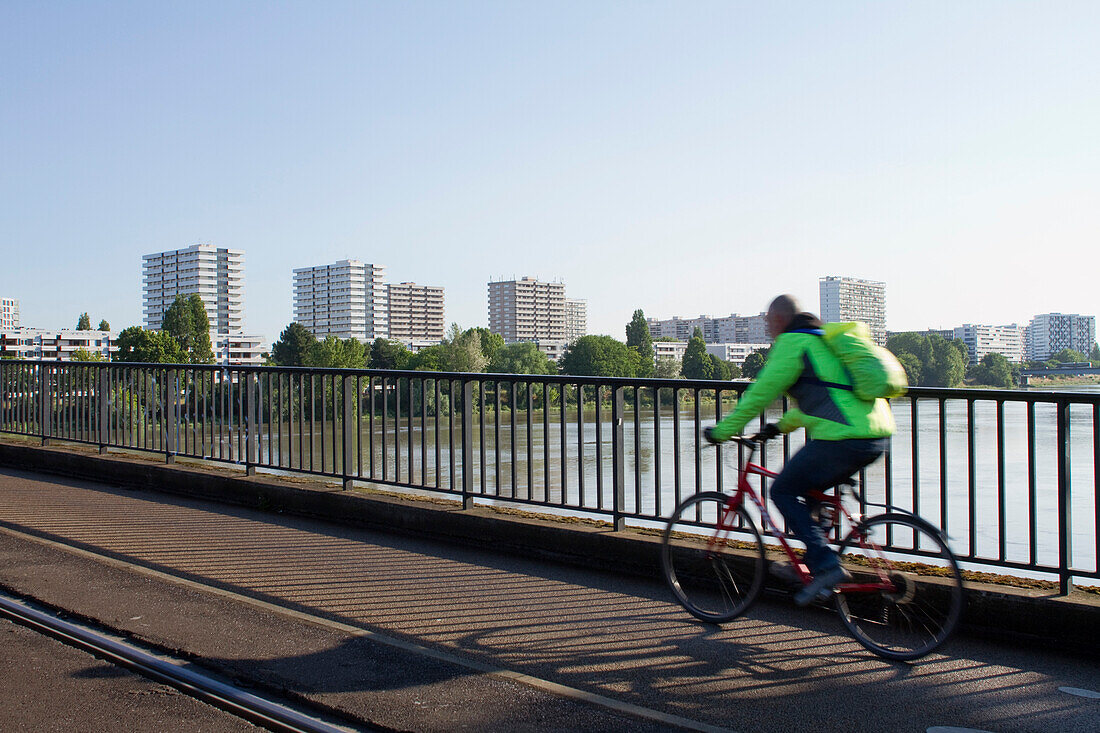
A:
[744,487]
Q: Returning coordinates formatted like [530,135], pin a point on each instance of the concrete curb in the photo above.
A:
[993,611]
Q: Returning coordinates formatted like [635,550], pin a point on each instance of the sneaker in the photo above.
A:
[785,572]
[821,587]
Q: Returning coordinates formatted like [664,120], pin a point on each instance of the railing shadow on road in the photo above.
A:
[614,635]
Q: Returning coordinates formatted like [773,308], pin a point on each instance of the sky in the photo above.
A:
[682,158]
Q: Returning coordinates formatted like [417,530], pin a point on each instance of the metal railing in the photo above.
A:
[1011,476]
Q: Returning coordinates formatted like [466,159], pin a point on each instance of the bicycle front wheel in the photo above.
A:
[713,557]
[907,593]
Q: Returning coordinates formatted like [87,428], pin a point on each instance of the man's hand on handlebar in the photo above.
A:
[768,432]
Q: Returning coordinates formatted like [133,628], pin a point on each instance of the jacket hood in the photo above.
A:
[802,321]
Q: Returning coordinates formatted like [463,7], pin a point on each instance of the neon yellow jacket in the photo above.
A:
[798,364]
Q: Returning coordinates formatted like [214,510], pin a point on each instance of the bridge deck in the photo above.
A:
[449,624]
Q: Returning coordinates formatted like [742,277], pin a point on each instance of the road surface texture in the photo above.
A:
[48,686]
[418,635]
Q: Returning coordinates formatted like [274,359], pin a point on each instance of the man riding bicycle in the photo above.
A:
[844,432]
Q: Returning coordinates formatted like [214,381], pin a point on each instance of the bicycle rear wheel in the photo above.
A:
[713,557]
[923,604]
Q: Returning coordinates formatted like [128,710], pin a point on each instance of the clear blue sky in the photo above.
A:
[683,158]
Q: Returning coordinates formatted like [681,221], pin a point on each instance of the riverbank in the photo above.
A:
[1063,381]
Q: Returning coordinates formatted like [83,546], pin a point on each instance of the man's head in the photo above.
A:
[780,314]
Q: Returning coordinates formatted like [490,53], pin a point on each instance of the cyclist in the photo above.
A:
[844,433]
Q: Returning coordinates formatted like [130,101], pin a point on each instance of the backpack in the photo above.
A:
[875,372]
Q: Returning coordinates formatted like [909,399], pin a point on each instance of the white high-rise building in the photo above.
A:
[1050,333]
[215,273]
[852,299]
[9,313]
[347,299]
[576,319]
[1008,341]
[528,310]
[416,313]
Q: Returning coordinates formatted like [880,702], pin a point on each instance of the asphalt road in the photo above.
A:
[418,635]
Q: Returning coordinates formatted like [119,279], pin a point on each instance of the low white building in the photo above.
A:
[669,350]
[734,353]
[1008,341]
[235,349]
[46,344]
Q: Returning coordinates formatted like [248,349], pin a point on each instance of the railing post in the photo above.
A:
[103,386]
[618,459]
[467,444]
[45,404]
[350,400]
[1065,547]
[168,414]
[251,424]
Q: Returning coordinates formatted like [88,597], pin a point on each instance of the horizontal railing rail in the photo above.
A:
[1009,475]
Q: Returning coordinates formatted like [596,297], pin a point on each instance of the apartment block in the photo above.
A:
[216,274]
[1049,333]
[576,319]
[9,313]
[669,350]
[527,310]
[415,313]
[852,299]
[234,349]
[347,299]
[733,328]
[1008,341]
[46,344]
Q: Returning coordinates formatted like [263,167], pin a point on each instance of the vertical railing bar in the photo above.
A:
[943,464]
[914,437]
[1032,529]
[530,442]
[971,482]
[451,428]
[437,392]
[546,442]
[618,459]
[370,423]
[676,485]
[496,437]
[637,451]
[696,428]
[580,444]
[598,422]
[481,434]
[1065,527]
[512,433]
[657,507]
[718,448]
[563,425]
[1001,510]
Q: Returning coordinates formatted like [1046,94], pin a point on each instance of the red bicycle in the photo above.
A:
[906,594]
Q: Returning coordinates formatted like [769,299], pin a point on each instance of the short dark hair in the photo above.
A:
[785,305]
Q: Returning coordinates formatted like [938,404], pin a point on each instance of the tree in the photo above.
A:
[488,342]
[386,354]
[599,356]
[1094,355]
[697,363]
[639,339]
[136,345]
[668,367]
[186,322]
[934,361]
[721,369]
[521,358]
[430,359]
[754,362]
[466,349]
[1067,356]
[334,353]
[85,355]
[293,346]
[993,370]
[103,325]
[912,367]
[84,323]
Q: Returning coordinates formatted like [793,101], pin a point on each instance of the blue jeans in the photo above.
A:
[819,465]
